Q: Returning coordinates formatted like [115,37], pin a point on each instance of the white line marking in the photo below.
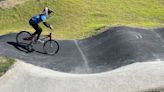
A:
[159,36]
[81,52]
[138,36]
[82,55]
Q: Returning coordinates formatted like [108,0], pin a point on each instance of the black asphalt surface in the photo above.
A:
[116,47]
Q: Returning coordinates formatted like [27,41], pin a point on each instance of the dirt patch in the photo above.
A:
[10,3]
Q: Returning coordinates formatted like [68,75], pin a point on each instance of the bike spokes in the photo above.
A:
[24,38]
[51,47]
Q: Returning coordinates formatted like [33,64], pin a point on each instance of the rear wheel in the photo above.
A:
[51,47]
[22,37]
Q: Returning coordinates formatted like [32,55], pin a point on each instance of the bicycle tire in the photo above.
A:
[51,50]
[20,38]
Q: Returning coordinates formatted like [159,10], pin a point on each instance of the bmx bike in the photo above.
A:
[49,46]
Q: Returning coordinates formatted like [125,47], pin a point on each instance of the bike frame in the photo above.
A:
[46,40]
[49,36]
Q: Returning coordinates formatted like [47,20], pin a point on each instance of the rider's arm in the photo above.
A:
[47,25]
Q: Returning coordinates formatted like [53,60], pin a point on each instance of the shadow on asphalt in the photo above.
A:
[20,47]
[24,48]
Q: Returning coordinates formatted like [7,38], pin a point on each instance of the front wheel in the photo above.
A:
[51,47]
[20,38]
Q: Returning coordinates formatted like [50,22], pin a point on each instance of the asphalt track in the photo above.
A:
[115,47]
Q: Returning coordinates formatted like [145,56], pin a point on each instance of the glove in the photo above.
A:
[51,27]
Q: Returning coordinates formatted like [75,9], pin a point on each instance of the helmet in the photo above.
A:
[47,11]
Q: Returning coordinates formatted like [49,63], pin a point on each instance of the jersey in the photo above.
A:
[39,18]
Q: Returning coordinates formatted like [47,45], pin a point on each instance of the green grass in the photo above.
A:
[76,19]
[5,63]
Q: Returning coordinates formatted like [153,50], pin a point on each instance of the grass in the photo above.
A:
[5,64]
[76,19]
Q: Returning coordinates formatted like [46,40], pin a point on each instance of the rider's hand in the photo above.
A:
[51,27]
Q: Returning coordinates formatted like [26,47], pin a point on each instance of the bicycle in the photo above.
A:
[50,46]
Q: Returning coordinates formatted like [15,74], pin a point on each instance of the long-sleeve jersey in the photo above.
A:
[39,18]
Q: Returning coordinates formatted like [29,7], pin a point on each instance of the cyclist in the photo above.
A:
[35,20]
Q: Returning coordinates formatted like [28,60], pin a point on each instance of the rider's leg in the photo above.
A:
[34,25]
[38,30]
